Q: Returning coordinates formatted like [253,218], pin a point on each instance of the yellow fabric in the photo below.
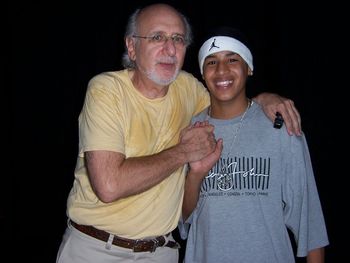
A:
[116,117]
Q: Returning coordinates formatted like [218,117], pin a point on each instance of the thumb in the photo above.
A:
[219,146]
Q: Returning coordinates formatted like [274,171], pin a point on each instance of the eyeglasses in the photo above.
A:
[161,39]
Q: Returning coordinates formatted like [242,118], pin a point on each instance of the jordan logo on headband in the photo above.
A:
[213,45]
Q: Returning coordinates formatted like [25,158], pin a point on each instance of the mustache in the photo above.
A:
[167,60]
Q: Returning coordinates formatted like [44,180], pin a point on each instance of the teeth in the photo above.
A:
[224,83]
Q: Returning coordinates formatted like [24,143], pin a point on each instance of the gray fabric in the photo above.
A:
[269,186]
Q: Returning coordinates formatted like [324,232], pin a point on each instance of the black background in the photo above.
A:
[57,46]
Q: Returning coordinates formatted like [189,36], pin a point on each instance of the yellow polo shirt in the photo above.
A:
[116,117]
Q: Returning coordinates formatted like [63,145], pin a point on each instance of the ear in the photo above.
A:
[250,72]
[130,45]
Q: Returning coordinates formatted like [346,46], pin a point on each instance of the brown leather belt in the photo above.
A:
[137,245]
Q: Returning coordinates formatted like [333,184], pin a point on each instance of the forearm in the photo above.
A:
[146,172]
[316,256]
[267,97]
[260,98]
[113,177]
[191,195]
[198,171]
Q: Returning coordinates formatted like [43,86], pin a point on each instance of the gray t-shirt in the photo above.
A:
[253,194]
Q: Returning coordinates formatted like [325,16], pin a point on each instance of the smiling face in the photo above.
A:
[157,54]
[225,74]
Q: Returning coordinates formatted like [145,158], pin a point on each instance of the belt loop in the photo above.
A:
[109,242]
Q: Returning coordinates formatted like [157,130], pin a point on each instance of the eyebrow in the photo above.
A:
[165,33]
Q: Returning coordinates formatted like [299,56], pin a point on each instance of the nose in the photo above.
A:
[221,67]
[169,46]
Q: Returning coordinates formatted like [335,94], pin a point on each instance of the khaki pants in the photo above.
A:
[76,247]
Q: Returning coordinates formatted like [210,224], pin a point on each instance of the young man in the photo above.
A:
[128,188]
[239,203]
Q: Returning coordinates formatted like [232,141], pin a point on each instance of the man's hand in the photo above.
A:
[202,167]
[273,103]
[197,141]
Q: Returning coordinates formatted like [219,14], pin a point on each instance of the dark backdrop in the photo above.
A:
[57,46]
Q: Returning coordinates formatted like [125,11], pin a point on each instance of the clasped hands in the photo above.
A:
[200,145]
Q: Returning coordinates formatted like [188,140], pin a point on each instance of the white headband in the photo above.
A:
[221,43]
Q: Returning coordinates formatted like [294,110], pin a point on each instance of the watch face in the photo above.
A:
[278,121]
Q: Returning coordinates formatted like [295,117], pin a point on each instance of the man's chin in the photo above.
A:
[167,79]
